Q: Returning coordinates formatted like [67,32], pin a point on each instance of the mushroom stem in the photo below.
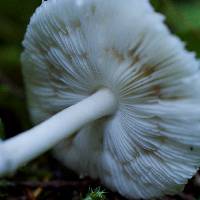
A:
[28,145]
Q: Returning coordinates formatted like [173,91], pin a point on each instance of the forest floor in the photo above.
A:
[47,179]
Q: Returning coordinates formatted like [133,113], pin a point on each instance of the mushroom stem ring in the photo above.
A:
[16,151]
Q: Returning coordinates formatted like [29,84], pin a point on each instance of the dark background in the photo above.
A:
[183,18]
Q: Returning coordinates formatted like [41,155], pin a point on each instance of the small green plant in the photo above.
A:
[97,194]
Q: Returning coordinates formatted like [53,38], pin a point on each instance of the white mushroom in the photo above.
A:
[132,91]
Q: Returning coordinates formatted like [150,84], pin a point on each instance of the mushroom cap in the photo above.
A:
[151,145]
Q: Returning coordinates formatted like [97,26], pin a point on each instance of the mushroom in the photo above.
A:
[116,94]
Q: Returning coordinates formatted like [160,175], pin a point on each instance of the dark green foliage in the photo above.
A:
[183,18]
[14,17]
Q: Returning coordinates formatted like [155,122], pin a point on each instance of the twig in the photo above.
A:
[49,184]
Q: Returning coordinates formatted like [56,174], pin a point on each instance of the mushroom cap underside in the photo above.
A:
[151,145]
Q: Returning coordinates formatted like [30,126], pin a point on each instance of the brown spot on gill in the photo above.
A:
[54,75]
[161,139]
[135,59]
[133,51]
[69,57]
[116,54]
[149,151]
[93,9]
[72,55]
[157,90]
[65,31]
[148,70]
[174,97]
[84,55]
[76,23]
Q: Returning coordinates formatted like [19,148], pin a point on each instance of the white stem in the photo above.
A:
[28,145]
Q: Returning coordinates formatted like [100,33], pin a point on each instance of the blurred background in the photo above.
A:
[14,17]
[182,16]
